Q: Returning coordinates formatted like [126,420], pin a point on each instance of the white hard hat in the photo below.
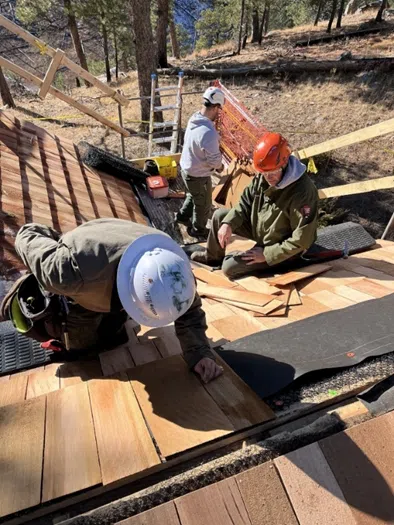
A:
[155,280]
[214,95]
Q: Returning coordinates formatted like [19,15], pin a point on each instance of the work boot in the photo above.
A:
[185,222]
[203,234]
[202,258]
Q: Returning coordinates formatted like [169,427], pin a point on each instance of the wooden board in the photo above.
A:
[70,459]
[162,515]
[264,496]
[213,278]
[21,453]
[116,360]
[218,504]
[240,404]
[352,294]
[144,353]
[43,381]
[331,300]
[298,275]
[383,183]
[370,288]
[76,372]
[312,488]
[254,284]
[241,296]
[361,459]
[123,439]
[234,327]
[294,297]
[51,72]
[262,310]
[13,390]
[178,410]
[354,137]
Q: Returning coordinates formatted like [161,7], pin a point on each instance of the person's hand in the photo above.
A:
[224,235]
[254,256]
[207,369]
[220,169]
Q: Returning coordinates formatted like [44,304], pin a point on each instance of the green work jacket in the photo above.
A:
[82,265]
[283,221]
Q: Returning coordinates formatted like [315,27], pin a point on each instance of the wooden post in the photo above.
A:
[121,125]
[50,74]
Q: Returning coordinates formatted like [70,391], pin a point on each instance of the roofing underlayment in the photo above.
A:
[73,431]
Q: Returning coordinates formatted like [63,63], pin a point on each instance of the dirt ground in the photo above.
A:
[307,109]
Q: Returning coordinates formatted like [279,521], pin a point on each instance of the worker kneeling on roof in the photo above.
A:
[278,210]
[85,284]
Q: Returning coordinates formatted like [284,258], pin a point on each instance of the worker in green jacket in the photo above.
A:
[107,270]
[278,211]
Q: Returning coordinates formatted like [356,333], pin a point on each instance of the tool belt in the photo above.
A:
[36,313]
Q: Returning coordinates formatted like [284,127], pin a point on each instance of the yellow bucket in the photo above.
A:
[167,167]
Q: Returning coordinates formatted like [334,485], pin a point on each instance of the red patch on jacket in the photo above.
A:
[305,211]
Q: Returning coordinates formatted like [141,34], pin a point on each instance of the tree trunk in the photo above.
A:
[174,40]
[318,12]
[267,20]
[73,27]
[145,54]
[5,92]
[333,13]
[247,26]
[116,55]
[379,16]
[161,32]
[255,25]
[106,51]
[340,13]
[291,67]
[262,25]
[241,24]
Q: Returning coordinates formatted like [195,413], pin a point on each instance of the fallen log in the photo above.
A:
[340,36]
[293,67]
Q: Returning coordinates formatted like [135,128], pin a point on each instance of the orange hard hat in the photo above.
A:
[272,152]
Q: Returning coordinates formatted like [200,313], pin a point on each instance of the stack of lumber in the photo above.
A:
[258,297]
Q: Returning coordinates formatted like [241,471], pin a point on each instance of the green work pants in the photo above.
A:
[233,265]
[198,202]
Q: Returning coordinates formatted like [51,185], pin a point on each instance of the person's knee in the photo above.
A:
[232,268]
[219,215]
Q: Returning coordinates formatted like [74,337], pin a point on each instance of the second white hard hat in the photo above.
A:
[214,95]
[155,281]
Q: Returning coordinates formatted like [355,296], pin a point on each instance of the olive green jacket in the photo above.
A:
[283,221]
[82,265]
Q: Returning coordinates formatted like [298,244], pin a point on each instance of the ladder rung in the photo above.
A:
[167,88]
[162,140]
[164,108]
[164,124]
